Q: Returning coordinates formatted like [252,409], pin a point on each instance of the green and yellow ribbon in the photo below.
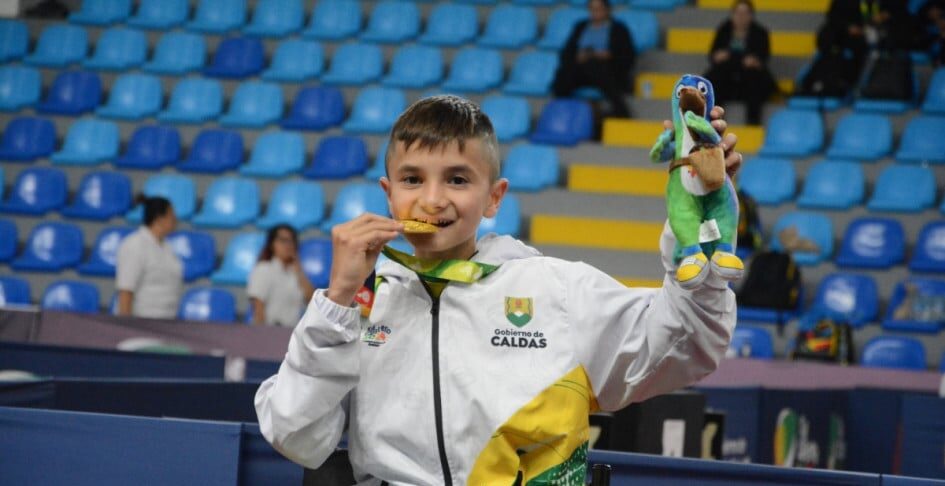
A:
[441,271]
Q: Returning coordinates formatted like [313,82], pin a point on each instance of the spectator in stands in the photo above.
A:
[599,53]
[277,287]
[739,61]
[932,20]
[149,276]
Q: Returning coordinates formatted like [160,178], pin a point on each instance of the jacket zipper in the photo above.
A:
[437,405]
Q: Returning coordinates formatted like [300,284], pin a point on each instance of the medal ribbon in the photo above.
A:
[465,271]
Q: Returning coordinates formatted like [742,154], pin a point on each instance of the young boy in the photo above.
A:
[481,360]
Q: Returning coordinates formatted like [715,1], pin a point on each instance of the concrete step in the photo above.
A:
[712,16]
[643,133]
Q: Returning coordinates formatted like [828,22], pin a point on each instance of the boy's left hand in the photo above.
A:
[733,159]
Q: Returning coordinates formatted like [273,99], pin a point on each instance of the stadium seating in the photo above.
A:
[104,253]
[101,12]
[509,27]
[415,67]
[50,247]
[644,28]
[14,291]
[71,296]
[177,53]
[296,203]
[751,342]
[392,22]
[338,157]
[845,297]
[101,195]
[508,221]
[564,122]
[769,181]
[916,305]
[14,40]
[236,57]
[20,87]
[59,45]
[218,16]
[118,49]
[133,97]
[72,93]
[295,60]
[88,142]
[315,108]
[37,190]
[315,258]
[510,115]
[934,103]
[229,202]
[450,25]
[655,4]
[922,140]
[27,138]
[354,64]
[793,133]
[214,151]
[872,243]
[241,254]
[532,74]
[378,169]
[375,110]
[160,14]
[334,20]
[276,154]
[196,251]
[813,227]
[276,18]
[178,189]
[833,184]
[928,255]
[194,100]
[531,168]
[254,105]
[902,188]
[559,25]
[353,200]
[9,241]
[474,70]
[860,136]
[207,304]
[151,147]
[894,352]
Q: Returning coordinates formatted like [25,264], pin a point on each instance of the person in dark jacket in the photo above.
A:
[599,53]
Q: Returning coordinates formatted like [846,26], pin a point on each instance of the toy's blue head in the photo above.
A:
[693,93]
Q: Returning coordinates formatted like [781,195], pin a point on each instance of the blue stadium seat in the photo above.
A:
[276,154]
[100,196]
[508,221]
[531,168]
[214,151]
[133,96]
[27,138]
[315,108]
[229,202]
[71,296]
[241,254]
[299,204]
[872,243]
[450,25]
[101,12]
[295,60]
[922,140]
[845,297]
[104,254]
[177,53]
[510,115]
[644,28]
[916,306]
[254,104]
[833,184]
[861,136]
[532,74]
[151,147]
[793,133]
[20,87]
[768,181]
[59,45]
[118,49]
[338,157]
[533,2]
[392,22]
[564,122]
[14,40]
[415,67]
[51,247]
[334,20]
[928,255]
[315,258]
[207,304]
[378,169]
[903,188]
[559,26]
[353,200]
[355,64]
[510,27]
[36,191]
[474,70]
[14,291]
[236,57]
[898,352]
[276,18]
[197,252]
[934,103]
[180,190]
[375,110]
[218,16]
[814,227]
[751,342]
[655,4]
[88,142]
[9,241]
[160,14]
[72,93]
[194,100]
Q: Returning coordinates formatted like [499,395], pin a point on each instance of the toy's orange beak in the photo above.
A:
[690,99]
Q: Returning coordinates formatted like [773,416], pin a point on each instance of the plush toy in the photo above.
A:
[700,198]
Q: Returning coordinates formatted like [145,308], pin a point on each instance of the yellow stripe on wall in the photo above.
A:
[622,132]
[596,233]
[697,41]
[816,6]
[617,180]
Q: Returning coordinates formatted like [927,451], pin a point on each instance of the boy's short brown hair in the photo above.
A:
[437,121]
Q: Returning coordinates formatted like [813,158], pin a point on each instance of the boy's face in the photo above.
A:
[445,187]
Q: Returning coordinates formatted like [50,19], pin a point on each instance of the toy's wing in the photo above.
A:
[665,147]
[701,127]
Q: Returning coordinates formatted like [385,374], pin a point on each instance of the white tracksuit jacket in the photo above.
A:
[452,391]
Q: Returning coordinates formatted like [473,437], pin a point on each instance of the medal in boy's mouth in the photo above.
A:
[419,225]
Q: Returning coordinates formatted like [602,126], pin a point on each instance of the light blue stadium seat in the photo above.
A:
[241,254]
[656,4]
[14,40]
[833,184]
[353,200]
[88,142]
[27,138]
[415,67]
[10,236]
[334,20]
[375,110]
[355,64]
[338,157]
[180,190]
[296,203]
[559,26]
[392,22]
[872,243]
[276,155]
[916,305]
[928,255]
[151,147]
[644,28]
[72,93]
[194,100]
[315,258]
[36,191]
[903,188]
[532,74]
[214,151]
[20,86]
[59,45]
[845,297]
[509,27]
[218,16]
[254,104]
[101,195]
[533,2]
[768,181]
[177,53]
[793,133]
[508,221]
[450,25]
[922,140]
[276,18]
[564,122]
[229,202]
[104,254]
[50,247]
[295,60]
[236,57]
[897,352]
[474,70]
[510,115]
[813,227]
[71,296]
[160,14]
[133,96]
[934,103]
[197,252]
[207,304]
[14,291]
[118,49]
[531,168]
[751,342]
[101,12]
[378,169]
[825,103]
[861,136]
[315,108]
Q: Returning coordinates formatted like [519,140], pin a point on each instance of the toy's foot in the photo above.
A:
[727,265]
[692,270]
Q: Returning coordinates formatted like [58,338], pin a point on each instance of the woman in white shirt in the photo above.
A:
[278,288]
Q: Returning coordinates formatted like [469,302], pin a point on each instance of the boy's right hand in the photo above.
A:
[355,248]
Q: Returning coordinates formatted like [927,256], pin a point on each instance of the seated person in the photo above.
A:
[277,287]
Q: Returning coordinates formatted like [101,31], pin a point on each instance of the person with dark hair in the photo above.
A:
[148,274]
[599,53]
[277,287]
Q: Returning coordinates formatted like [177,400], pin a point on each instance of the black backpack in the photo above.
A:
[773,282]
[890,78]
[750,234]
